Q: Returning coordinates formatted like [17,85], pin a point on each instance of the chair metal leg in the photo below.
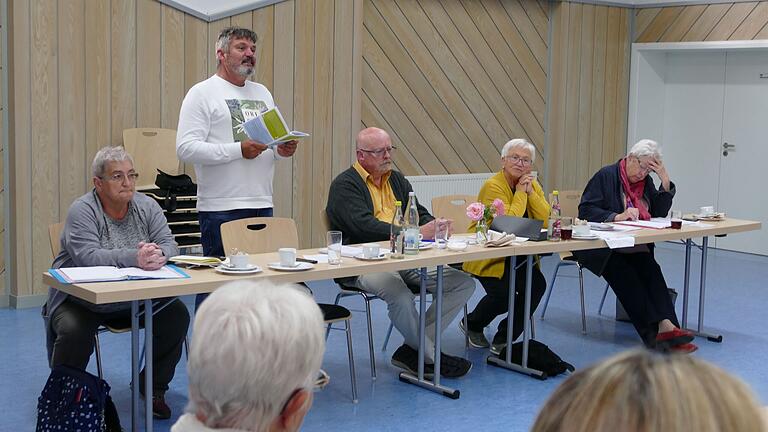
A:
[97,348]
[386,338]
[549,289]
[352,375]
[370,336]
[186,346]
[466,337]
[328,329]
[581,296]
[533,329]
[602,300]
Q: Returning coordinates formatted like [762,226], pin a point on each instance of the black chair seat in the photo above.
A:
[334,313]
[570,258]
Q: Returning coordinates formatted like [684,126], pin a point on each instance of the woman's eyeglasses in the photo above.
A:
[517,159]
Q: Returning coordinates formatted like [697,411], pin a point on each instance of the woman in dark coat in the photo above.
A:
[625,191]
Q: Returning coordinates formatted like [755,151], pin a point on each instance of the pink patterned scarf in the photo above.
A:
[633,191]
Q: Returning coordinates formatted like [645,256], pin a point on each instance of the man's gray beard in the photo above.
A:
[245,71]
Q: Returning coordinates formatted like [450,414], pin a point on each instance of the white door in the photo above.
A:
[744,167]
[692,126]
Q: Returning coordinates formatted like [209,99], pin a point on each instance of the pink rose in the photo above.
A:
[499,206]
[475,211]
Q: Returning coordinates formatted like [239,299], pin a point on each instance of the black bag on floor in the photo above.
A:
[75,400]
[540,357]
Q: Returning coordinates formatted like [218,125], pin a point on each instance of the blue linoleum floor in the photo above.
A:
[491,399]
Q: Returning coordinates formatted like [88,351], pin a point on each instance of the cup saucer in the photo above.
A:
[300,266]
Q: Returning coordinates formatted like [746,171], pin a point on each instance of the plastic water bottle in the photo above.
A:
[553,228]
[411,226]
[396,232]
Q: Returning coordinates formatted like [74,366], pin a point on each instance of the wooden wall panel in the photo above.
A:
[589,85]
[713,22]
[456,79]
[108,65]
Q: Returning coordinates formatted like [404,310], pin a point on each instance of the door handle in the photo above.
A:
[727,147]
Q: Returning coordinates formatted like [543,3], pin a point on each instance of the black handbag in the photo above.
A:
[180,184]
[173,186]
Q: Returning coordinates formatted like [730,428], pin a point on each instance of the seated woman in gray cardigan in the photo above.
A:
[113,225]
[625,191]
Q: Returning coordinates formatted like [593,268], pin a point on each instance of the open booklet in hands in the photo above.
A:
[270,128]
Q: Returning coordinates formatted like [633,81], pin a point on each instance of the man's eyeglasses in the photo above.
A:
[380,152]
[515,159]
[119,177]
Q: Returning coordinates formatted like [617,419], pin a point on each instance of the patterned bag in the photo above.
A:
[74,400]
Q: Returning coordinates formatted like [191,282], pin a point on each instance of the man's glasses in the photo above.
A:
[119,177]
[515,159]
[380,152]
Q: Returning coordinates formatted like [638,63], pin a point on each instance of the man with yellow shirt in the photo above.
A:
[361,204]
[522,197]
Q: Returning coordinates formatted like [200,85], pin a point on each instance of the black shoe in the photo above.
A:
[476,339]
[160,409]
[407,358]
[453,367]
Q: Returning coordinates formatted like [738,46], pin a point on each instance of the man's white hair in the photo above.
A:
[645,148]
[254,344]
[108,154]
[519,143]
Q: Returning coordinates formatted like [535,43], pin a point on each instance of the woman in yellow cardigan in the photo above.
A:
[523,197]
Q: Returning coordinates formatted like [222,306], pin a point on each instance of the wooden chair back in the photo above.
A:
[569,202]
[259,235]
[151,149]
[54,236]
[453,207]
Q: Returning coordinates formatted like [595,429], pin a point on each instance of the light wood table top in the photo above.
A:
[207,280]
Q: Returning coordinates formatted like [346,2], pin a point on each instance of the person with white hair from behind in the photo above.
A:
[256,352]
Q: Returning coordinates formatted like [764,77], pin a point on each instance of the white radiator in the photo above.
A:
[430,186]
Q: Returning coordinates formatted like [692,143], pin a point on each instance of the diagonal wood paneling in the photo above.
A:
[713,22]
[129,63]
[588,91]
[456,79]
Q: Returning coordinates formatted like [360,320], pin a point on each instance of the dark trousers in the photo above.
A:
[496,300]
[210,232]
[639,285]
[74,327]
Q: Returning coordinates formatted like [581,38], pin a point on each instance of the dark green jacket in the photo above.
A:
[350,207]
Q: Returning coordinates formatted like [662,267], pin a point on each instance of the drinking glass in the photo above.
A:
[676,219]
[333,241]
[441,233]
[566,227]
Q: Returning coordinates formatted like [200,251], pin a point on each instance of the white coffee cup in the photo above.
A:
[287,257]
[239,260]
[371,250]
[580,230]
[707,210]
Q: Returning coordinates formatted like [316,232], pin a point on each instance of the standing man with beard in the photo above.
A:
[234,173]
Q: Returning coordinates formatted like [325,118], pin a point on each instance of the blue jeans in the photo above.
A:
[210,231]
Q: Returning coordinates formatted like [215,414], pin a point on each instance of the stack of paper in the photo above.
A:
[196,260]
[498,239]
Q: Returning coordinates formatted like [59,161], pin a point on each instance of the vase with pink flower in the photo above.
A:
[483,215]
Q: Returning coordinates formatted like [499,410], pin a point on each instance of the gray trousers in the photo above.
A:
[74,327]
[397,290]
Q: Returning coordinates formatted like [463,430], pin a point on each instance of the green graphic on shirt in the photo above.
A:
[241,111]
